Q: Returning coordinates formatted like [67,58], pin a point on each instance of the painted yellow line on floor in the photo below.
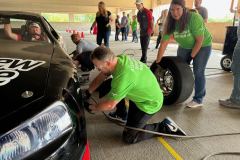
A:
[170,149]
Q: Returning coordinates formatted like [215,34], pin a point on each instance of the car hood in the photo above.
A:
[24,68]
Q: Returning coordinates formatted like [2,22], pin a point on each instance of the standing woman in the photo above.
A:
[160,23]
[195,43]
[103,20]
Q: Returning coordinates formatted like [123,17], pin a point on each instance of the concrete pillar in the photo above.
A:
[154,4]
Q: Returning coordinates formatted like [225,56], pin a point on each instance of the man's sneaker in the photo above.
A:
[113,116]
[193,104]
[172,127]
[228,103]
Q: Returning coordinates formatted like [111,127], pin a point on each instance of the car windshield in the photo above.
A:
[22,30]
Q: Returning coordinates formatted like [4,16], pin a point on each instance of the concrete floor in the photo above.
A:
[105,137]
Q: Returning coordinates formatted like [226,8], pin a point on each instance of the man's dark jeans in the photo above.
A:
[144,40]
[135,118]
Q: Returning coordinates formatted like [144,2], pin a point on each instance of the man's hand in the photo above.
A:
[87,106]
[87,94]
[154,66]
[92,107]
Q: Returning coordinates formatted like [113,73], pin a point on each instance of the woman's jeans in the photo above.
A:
[103,35]
[134,35]
[235,67]
[199,66]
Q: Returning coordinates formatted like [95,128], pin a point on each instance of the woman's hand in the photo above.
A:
[161,50]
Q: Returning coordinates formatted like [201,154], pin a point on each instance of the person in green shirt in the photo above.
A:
[194,40]
[128,25]
[133,80]
[134,29]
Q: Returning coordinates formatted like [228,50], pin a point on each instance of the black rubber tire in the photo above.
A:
[182,76]
[226,62]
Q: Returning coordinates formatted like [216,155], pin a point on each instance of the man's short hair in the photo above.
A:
[102,53]
[34,24]
[139,2]
[74,35]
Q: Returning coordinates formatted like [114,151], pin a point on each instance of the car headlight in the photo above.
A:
[36,132]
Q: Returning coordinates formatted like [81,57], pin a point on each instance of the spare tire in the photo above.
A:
[226,63]
[175,78]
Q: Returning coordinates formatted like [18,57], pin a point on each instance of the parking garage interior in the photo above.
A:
[104,136]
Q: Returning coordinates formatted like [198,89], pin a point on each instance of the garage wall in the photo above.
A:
[218,31]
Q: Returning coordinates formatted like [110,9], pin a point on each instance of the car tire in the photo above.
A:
[175,78]
[226,62]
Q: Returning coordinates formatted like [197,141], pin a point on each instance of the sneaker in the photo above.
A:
[173,127]
[194,104]
[228,103]
[113,116]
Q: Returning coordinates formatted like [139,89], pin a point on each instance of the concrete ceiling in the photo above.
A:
[76,6]
[79,6]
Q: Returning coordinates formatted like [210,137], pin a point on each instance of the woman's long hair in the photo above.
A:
[170,24]
[102,9]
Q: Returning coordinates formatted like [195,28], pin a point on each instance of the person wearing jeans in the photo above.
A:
[124,23]
[189,31]
[118,28]
[234,100]
[145,20]
[134,29]
[105,36]
[199,66]
[103,19]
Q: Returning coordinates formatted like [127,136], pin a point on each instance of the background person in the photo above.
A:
[144,93]
[234,100]
[128,25]
[118,28]
[160,22]
[83,52]
[124,23]
[134,29]
[194,43]
[103,20]
[33,33]
[153,19]
[201,10]
[145,20]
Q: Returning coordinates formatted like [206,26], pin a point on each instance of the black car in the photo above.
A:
[42,114]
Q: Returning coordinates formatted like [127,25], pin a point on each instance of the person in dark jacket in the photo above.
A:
[145,20]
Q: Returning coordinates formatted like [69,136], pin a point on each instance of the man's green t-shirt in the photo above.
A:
[134,80]
[195,27]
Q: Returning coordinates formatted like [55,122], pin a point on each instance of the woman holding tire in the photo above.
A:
[195,43]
